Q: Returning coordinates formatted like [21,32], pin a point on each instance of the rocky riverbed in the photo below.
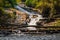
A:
[32,37]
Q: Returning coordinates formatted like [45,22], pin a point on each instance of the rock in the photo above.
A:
[31,28]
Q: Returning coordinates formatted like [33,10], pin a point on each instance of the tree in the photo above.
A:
[18,1]
[23,0]
[8,3]
[6,17]
[31,3]
[1,3]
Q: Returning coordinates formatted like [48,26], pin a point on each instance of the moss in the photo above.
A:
[57,23]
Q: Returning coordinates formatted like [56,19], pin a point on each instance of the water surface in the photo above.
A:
[32,37]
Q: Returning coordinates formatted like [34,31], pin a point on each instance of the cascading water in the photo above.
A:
[21,9]
[33,20]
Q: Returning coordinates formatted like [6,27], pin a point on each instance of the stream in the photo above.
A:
[33,21]
[32,37]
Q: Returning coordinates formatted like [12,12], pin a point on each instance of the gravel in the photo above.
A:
[32,37]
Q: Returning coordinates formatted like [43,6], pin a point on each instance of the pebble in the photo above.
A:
[27,37]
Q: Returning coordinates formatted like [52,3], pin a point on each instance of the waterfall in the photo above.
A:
[33,20]
[21,9]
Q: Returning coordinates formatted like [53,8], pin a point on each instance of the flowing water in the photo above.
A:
[32,37]
[33,20]
[21,9]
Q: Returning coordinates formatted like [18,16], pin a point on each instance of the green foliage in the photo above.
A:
[23,0]
[18,1]
[5,17]
[31,3]
[1,3]
[10,3]
[42,5]
[7,3]
[56,23]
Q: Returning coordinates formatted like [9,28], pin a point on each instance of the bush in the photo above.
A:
[5,17]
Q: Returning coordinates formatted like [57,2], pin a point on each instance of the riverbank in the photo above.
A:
[54,23]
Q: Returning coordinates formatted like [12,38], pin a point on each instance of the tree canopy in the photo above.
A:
[44,5]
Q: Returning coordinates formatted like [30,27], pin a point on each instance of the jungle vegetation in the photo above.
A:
[48,8]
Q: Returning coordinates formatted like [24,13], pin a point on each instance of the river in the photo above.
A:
[32,37]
